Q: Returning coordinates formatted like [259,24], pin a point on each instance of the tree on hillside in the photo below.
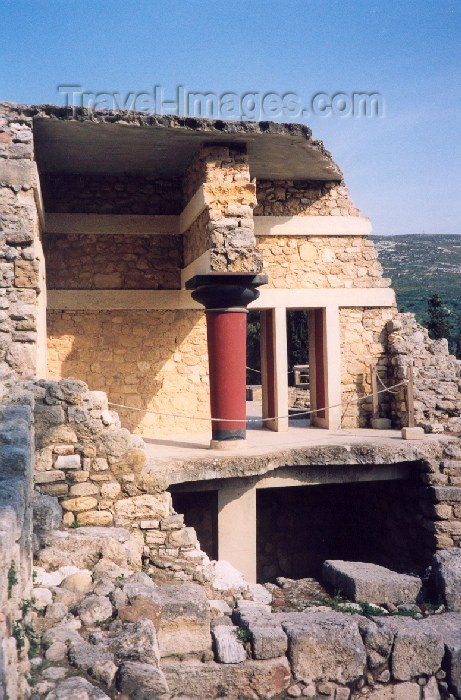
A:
[438,318]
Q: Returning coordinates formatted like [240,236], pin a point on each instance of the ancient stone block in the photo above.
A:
[142,681]
[446,566]
[324,646]
[69,461]
[93,609]
[267,641]
[85,546]
[78,504]
[185,622]
[96,518]
[371,583]
[128,510]
[228,648]
[250,679]
[83,489]
[418,648]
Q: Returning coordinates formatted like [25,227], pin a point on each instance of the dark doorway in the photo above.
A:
[200,509]
[299,527]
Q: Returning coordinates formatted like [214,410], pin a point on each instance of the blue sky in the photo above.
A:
[403,169]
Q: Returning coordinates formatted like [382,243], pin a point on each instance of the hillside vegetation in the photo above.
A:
[421,265]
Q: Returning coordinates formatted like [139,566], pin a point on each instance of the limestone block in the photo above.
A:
[185,621]
[250,679]
[129,510]
[76,687]
[47,514]
[49,477]
[182,538]
[228,648]
[93,609]
[142,600]
[133,641]
[79,582]
[401,691]
[42,597]
[268,641]
[76,505]
[97,518]
[83,489]
[412,433]
[110,490]
[449,627]
[27,273]
[370,583]
[67,462]
[85,546]
[446,567]
[418,647]
[142,681]
[324,646]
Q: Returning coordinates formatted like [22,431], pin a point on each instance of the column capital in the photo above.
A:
[225,292]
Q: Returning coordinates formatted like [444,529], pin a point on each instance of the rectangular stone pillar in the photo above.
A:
[274,368]
[237,528]
[219,197]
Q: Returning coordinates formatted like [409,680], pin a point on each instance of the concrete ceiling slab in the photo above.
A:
[164,146]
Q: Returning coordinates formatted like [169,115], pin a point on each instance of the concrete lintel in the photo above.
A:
[312,226]
[193,209]
[133,224]
[319,297]
[309,475]
[107,299]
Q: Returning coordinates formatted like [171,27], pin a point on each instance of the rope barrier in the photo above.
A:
[258,420]
[389,389]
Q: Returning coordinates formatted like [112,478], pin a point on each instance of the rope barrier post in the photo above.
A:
[374,390]
[410,397]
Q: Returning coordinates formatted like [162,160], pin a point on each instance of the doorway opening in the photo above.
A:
[299,527]
[200,510]
[286,374]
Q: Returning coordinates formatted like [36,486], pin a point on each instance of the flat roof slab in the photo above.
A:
[163,147]
[176,459]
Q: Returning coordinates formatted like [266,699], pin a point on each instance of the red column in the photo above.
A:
[226,335]
[225,298]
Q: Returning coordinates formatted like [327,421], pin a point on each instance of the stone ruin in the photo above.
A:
[327,565]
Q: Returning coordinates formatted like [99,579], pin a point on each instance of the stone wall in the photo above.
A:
[113,262]
[22,285]
[437,377]
[303,198]
[363,343]
[96,469]
[92,193]
[147,359]
[225,228]
[16,461]
[320,262]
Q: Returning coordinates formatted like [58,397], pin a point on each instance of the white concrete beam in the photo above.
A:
[107,299]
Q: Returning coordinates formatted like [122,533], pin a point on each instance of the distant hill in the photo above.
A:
[421,265]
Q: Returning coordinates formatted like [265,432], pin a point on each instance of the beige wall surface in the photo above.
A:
[113,261]
[363,342]
[301,261]
[146,359]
